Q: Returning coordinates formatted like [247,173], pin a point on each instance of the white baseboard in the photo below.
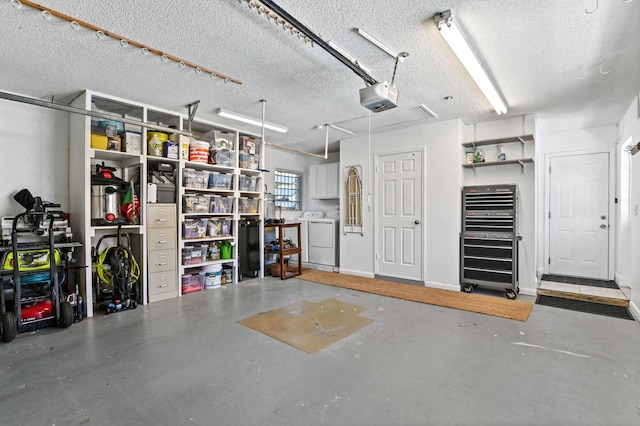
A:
[635,311]
[442,286]
[357,273]
[623,281]
[529,291]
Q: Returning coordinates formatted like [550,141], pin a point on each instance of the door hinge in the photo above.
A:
[549,215]
[549,169]
[549,260]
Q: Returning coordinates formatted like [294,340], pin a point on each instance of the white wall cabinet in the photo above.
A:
[324,181]
[232,190]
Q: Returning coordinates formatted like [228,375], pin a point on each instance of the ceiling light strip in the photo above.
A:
[454,37]
[295,151]
[427,110]
[250,120]
[377,43]
[127,41]
[341,129]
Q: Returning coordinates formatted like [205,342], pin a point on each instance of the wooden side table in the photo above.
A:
[283,251]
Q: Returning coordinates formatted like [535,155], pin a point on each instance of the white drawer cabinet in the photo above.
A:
[162,259]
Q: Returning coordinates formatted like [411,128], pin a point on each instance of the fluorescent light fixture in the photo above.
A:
[379,44]
[250,120]
[456,40]
[427,111]
[341,129]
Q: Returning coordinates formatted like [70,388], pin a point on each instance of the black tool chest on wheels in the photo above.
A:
[489,239]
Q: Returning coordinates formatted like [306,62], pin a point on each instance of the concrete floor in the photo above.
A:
[187,362]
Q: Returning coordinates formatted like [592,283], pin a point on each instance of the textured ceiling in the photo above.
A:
[549,57]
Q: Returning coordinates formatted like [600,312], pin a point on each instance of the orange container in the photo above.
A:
[199,152]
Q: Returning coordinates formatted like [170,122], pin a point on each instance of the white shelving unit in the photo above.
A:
[126,165]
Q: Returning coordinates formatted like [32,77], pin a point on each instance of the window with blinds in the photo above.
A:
[288,190]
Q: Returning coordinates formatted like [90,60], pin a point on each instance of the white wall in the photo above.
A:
[523,176]
[629,232]
[280,159]
[443,181]
[441,194]
[603,138]
[35,154]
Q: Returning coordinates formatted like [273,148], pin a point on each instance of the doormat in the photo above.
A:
[586,307]
[309,326]
[580,281]
[488,305]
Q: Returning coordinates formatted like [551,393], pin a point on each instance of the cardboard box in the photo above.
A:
[132,142]
[171,150]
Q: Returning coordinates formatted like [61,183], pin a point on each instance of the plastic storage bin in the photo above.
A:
[222,157]
[186,255]
[198,255]
[197,179]
[194,228]
[192,282]
[223,140]
[248,205]
[247,183]
[220,181]
[219,227]
[248,161]
[192,203]
[220,204]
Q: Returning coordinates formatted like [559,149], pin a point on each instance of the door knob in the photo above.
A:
[603,226]
[603,217]
[417,222]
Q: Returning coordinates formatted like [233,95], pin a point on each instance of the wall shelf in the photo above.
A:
[521,161]
[522,140]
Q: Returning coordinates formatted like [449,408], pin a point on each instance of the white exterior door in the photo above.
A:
[399,215]
[579,215]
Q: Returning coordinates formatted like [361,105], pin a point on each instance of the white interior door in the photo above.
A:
[399,215]
[579,215]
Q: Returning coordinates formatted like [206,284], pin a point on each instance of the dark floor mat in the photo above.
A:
[587,307]
[580,281]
